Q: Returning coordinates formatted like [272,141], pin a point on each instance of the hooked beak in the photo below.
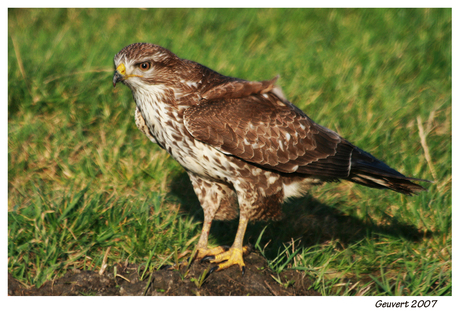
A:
[119,74]
[117,77]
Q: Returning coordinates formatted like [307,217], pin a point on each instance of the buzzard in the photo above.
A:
[245,147]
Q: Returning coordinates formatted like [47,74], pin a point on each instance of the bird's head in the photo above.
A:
[141,64]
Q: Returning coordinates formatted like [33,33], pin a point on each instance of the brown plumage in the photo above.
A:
[243,144]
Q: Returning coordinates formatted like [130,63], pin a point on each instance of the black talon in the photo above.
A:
[211,271]
[166,267]
[243,270]
[208,258]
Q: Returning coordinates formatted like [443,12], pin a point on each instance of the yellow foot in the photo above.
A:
[234,256]
[205,252]
[198,254]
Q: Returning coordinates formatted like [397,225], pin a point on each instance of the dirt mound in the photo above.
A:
[258,280]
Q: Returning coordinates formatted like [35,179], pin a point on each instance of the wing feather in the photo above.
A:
[269,132]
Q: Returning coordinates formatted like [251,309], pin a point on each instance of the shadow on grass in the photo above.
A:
[306,219]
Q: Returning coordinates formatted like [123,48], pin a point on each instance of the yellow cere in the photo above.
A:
[121,69]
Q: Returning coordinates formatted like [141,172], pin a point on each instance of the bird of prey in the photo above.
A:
[245,147]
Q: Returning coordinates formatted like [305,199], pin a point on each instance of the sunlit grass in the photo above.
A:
[82,178]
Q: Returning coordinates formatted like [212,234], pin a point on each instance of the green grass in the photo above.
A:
[82,178]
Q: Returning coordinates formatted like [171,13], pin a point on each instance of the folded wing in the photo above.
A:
[270,132]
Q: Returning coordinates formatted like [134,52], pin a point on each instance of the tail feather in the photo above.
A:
[371,172]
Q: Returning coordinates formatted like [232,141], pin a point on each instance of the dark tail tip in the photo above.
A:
[399,184]
[371,172]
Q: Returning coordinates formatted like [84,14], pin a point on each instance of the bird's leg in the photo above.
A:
[213,197]
[234,256]
[202,249]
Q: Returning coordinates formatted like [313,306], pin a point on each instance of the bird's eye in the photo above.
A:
[144,66]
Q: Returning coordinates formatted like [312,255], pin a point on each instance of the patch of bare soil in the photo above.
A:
[257,281]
